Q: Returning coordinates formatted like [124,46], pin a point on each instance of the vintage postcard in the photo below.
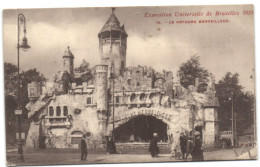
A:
[129,84]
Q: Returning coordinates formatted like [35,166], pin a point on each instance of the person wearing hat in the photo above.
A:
[197,152]
[84,149]
[153,148]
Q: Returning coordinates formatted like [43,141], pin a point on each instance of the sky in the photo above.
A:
[221,47]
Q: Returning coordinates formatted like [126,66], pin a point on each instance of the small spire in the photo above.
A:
[113,9]
[68,47]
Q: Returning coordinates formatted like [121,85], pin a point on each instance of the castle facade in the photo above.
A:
[62,111]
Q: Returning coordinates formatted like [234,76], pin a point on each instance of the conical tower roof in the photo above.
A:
[68,53]
[112,24]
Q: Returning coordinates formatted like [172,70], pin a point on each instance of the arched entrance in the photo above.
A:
[141,129]
[76,137]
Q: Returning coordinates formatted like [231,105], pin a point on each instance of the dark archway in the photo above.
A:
[141,129]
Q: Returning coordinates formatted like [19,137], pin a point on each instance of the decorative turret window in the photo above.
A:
[58,111]
[51,111]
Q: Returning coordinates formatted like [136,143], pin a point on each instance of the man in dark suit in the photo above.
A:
[197,152]
[84,148]
[183,143]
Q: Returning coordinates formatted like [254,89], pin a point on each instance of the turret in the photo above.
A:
[68,64]
[34,90]
[112,45]
[101,72]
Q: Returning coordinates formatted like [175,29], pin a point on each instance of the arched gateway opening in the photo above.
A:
[141,129]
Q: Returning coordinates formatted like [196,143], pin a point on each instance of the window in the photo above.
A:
[142,97]
[51,111]
[117,99]
[138,84]
[132,98]
[58,111]
[89,100]
[65,110]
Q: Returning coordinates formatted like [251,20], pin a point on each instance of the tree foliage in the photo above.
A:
[190,70]
[83,73]
[243,103]
[11,94]
[11,79]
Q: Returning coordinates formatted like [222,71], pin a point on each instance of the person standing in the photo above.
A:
[183,143]
[197,152]
[153,148]
[111,146]
[84,148]
[189,147]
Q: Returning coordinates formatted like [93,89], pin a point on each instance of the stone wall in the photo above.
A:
[81,118]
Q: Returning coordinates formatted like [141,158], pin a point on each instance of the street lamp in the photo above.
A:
[112,82]
[232,118]
[24,45]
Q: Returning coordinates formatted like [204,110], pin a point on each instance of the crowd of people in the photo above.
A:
[188,145]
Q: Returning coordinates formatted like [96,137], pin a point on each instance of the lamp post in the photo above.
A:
[232,117]
[20,21]
[111,78]
[252,77]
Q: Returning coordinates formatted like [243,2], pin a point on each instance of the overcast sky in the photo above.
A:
[221,47]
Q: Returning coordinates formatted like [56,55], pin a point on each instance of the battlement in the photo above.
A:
[101,68]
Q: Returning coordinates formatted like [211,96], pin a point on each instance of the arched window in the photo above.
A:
[58,111]
[65,110]
[132,98]
[51,111]
[142,97]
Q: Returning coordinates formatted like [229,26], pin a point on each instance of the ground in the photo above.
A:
[72,156]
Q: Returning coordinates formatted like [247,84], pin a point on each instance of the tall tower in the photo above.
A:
[112,45]
[68,64]
[101,86]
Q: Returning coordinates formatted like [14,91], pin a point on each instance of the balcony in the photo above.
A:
[57,121]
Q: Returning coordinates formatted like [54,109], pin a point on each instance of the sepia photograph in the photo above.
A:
[109,85]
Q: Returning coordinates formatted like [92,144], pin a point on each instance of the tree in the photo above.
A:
[83,73]
[11,79]
[11,94]
[243,103]
[190,70]
[10,119]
